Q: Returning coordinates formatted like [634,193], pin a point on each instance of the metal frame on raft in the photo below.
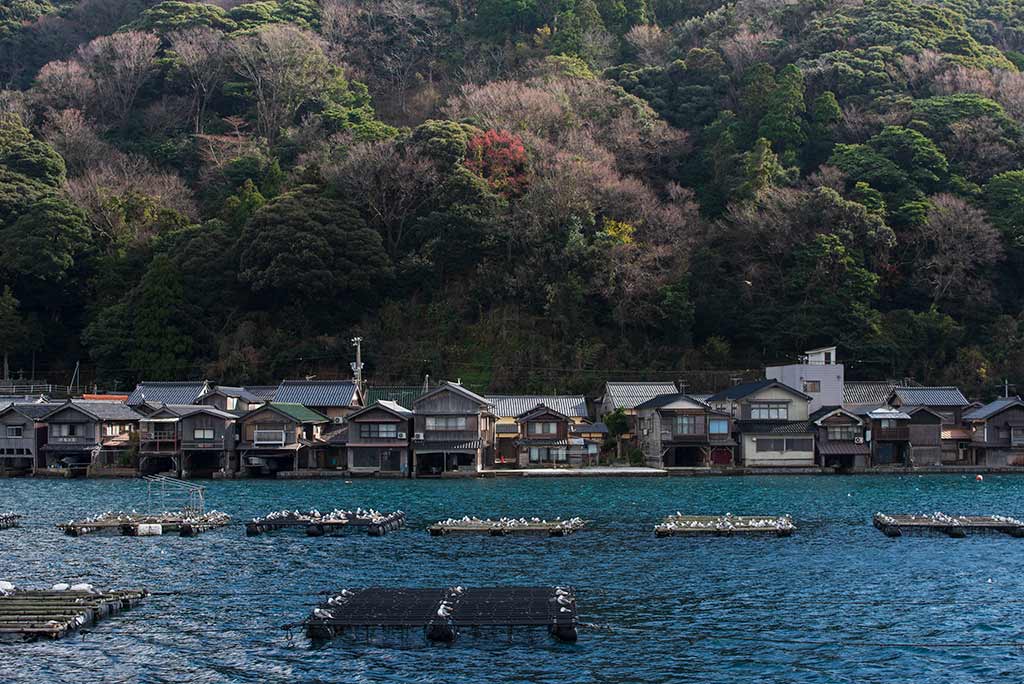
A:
[51,614]
[727,525]
[196,494]
[507,526]
[957,526]
[317,524]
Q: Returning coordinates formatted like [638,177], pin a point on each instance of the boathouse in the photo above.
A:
[189,440]
[996,432]
[22,435]
[279,436]
[91,437]
[378,438]
[679,431]
[452,432]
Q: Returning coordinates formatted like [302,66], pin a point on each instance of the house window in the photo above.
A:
[202,433]
[799,445]
[448,423]
[539,428]
[812,386]
[888,424]
[232,403]
[769,411]
[64,429]
[378,431]
[548,455]
[843,433]
[718,426]
[684,425]
[14,431]
[776,444]
[1017,436]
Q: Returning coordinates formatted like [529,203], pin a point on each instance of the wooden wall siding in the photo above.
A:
[69,415]
[926,435]
[472,430]
[378,415]
[841,419]
[561,429]
[446,403]
[1001,423]
[925,418]
[201,420]
[215,400]
[267,417]
[28,434]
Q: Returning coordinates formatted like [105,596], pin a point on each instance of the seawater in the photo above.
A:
[819,606]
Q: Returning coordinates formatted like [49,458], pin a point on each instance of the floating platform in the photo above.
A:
[133,524]
[8,520]
[50,614]
[507,526]
[443,613]
[952,525]
[727,525]
[319,524]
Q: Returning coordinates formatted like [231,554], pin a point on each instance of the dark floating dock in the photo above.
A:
[443,613]
[8,520]
[507,526]
[727,525]
[184,523]
[52,614]
[318,524]
[952,525]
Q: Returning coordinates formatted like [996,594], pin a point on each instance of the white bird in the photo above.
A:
[444,610]
[6,586]
[565,610]
[81,587]
[564,600]
[346,592]
[60,586]
[323,614]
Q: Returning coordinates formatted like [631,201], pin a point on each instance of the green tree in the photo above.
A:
[12,327]
[1004,201]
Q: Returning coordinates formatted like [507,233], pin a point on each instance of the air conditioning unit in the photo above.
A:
[401,435]
[418,436]
[858,440]
[338,420]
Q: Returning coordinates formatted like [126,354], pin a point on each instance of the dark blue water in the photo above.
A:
[817,607]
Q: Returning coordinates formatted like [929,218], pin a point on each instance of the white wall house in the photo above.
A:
[818,375]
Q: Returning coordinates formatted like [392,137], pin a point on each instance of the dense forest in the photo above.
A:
[528,194]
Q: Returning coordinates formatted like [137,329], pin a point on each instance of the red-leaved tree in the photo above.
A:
[500,158]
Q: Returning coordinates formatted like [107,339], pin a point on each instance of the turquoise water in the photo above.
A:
[820,606]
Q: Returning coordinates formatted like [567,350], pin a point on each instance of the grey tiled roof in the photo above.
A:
[30,410]
[988,410]
[316,393]
[747,388]
[167,392]
[628,395]
[404,395]
[774,427]
[931,396]
[237,392]
[460,389]
[512,405]
[665,399]
[871,392]
[104,410]
[589,428]
[263,392]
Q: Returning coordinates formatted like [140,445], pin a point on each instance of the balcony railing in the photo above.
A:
[897,434]
[216,443]
[269,438]
[158,436]
[71,439]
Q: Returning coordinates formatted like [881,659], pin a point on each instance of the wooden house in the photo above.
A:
[949,404]
[335,399]
[626,396]
[996,433]
[840,439]
[147,395]
[452,432]
[508,432]
[546,440]
[678,431]
[94,436]
[772,422]
[279,436]
[378,439]
[187,440]
[22,436]
[237,400]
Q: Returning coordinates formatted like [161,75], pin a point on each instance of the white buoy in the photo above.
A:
[979,478]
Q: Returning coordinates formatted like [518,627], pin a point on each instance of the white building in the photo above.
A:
[818,375]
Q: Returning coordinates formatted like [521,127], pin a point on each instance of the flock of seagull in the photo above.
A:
[727,522]
[571,523]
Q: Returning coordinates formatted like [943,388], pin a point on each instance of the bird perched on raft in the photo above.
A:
[6,588]
[323,614]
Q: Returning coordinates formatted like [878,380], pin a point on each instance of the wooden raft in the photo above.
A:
[8,520]
[317,524]
[441,613]
[507,526]
[724,525]
[36,614]
[953,525]
[146,525]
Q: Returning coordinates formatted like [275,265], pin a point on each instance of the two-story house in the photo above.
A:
[452,432]
[22,435]
[91,436]
[188,440]
[507,410]
[279,436]
[378,438]
[546,440]
[680,431]
[772,421]
[996,433]
[149,394]
[626,396]
[335,399]
[840,439]
[237,400]
[818,374]
[949,404]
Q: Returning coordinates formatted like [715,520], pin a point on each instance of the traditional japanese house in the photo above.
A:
[332,398]
[237,400]
[996,433]
[545,440]
[279,436]
[22,436]
[949,404]
[772,421]
[508,408]
[188,440]
[378,439]
[93,436]
[148,395]
[889,433]
[627,396]
[679,431]
[452,431]
[840,441]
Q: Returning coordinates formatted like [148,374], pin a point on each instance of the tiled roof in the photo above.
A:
[191,409]
[317,393]
[748,388]
[843,449]
[665,399]
[888,413]
[871,392]
[988,410]
[32,410]
[453,446]
[297,411]
[404,395]
[931,396]
[104,410]
[628,395]
[512,405]
[387,406]
[237,392]
[459,389]
[337,436]
[263,392]
[589,428]
[774,427]
[167,392]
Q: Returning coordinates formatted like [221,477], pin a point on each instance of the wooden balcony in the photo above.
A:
[216,444]
[684,437]
[897,434]
[269,438]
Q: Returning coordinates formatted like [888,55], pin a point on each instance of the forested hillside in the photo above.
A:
[529,194]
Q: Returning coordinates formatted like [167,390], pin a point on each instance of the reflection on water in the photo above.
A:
[816,607]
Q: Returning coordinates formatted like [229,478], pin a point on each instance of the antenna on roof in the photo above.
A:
[426,383]
[357,365]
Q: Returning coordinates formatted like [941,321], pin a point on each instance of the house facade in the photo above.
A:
[996,432]
[840,438]
[819,375]
[627,396]
[334,399]
[378,440]
[509,431]
[279,436]
[545,439]
[22,436]
[452,432]
[91,437]
[237,400]
[680,431]
[188,440]
[771,421]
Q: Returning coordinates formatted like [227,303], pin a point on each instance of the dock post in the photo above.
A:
[566,633]
[444,632]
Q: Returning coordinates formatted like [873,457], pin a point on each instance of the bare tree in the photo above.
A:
[64,85]
[650,43]
[118,65]
[202,54]
[76,140]
[285,67]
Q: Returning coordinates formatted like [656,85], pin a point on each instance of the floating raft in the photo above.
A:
[318,524]
[952,525]
[724,525]
[506,526]
[133,524]
[9,520]
[50,614]
[442,613]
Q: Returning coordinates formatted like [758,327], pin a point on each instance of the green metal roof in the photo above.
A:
[299,412]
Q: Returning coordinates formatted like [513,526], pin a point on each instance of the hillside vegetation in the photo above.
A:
[527,194]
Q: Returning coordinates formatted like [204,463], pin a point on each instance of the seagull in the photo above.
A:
[563,600]
[444,610]
[81,587]
[60,586]
[323,614]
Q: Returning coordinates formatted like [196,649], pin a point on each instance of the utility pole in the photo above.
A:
[357,366]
